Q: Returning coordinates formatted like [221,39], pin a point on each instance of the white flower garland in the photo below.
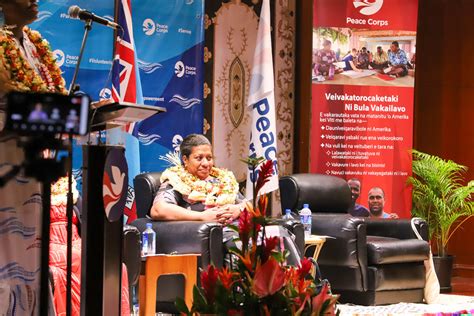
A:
[223,191]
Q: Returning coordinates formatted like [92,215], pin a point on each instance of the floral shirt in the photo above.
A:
[324,59]
[398,58]
[380,58]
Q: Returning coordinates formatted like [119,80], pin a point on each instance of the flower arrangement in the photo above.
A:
[258,282]
[24,77]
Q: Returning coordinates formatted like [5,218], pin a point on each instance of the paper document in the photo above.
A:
[359,74]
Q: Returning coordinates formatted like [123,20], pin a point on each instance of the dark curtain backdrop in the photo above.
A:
[444,97]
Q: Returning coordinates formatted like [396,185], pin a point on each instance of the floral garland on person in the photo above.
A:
[59,191]
[24,77]
[221,190]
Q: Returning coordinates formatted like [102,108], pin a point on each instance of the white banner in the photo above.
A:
[263,142]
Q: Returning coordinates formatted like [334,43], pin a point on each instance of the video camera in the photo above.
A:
[33,114]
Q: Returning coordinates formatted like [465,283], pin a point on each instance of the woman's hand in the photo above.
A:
[228,213]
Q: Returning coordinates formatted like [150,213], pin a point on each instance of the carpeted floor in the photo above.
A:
[446,305]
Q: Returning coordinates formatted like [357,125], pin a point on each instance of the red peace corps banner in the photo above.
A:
[363,70]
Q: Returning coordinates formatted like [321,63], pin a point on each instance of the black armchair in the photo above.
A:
[369,261]
[177,237]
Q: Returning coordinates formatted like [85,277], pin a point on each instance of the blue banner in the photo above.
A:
[169,38]
[65,35]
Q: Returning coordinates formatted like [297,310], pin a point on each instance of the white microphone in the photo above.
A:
[78,13]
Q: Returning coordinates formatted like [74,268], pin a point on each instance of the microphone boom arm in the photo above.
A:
[73,87]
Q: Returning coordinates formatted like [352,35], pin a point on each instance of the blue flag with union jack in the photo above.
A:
[126,87]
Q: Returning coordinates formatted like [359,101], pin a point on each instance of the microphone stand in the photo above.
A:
[73,87]
[69,209]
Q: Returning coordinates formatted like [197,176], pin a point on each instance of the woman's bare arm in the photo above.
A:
[165,211]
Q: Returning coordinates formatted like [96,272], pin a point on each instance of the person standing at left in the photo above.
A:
[26,64]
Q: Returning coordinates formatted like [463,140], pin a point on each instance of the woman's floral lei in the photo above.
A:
[24,77]
[221,190]
[59,192]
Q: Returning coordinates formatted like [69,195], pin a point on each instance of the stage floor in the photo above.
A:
[447,304]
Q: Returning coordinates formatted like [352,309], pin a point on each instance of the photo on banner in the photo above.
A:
[363,71]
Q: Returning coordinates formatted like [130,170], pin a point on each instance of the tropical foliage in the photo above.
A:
[258,282]
[440,196]
[333,34]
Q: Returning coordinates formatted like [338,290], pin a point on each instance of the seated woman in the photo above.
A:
[349,60]
[324,61]
[198,191]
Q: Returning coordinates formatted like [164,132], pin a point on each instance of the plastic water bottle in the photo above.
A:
[148,241]
[287,215]
[305,217]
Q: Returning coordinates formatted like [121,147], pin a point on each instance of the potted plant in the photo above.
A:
[258,282]
[441,197]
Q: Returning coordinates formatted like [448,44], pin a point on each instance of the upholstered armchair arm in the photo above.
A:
[182,237]
[212,248]
[297,229]
[396,228]
[345,251]
[347,247]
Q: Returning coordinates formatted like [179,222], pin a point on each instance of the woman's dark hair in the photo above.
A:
[191,141]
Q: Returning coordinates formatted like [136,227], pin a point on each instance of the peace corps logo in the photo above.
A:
[149,27]
[177,140]
[368,7]
[179,69]
[105,94]
[59,56]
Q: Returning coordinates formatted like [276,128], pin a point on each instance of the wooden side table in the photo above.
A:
[314,241]
[161,264]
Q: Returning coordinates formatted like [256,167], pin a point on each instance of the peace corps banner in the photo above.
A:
[363,93]
[169,40]
[65,36]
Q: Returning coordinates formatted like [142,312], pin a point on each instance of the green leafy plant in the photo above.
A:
[258,281]
[440,196]
[334,34]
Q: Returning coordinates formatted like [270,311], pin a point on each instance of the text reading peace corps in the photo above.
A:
[372,22]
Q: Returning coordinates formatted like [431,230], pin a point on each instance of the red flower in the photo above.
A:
[304,268]
[245,227]
[269,278]
[318,301]
[208,282]
[262,206]
[270,244]
[246,260]
[264,174]
[227,277]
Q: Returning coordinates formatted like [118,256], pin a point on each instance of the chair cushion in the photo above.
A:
[385,250]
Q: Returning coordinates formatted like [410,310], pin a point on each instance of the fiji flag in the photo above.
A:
[126,87]
[263,142]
